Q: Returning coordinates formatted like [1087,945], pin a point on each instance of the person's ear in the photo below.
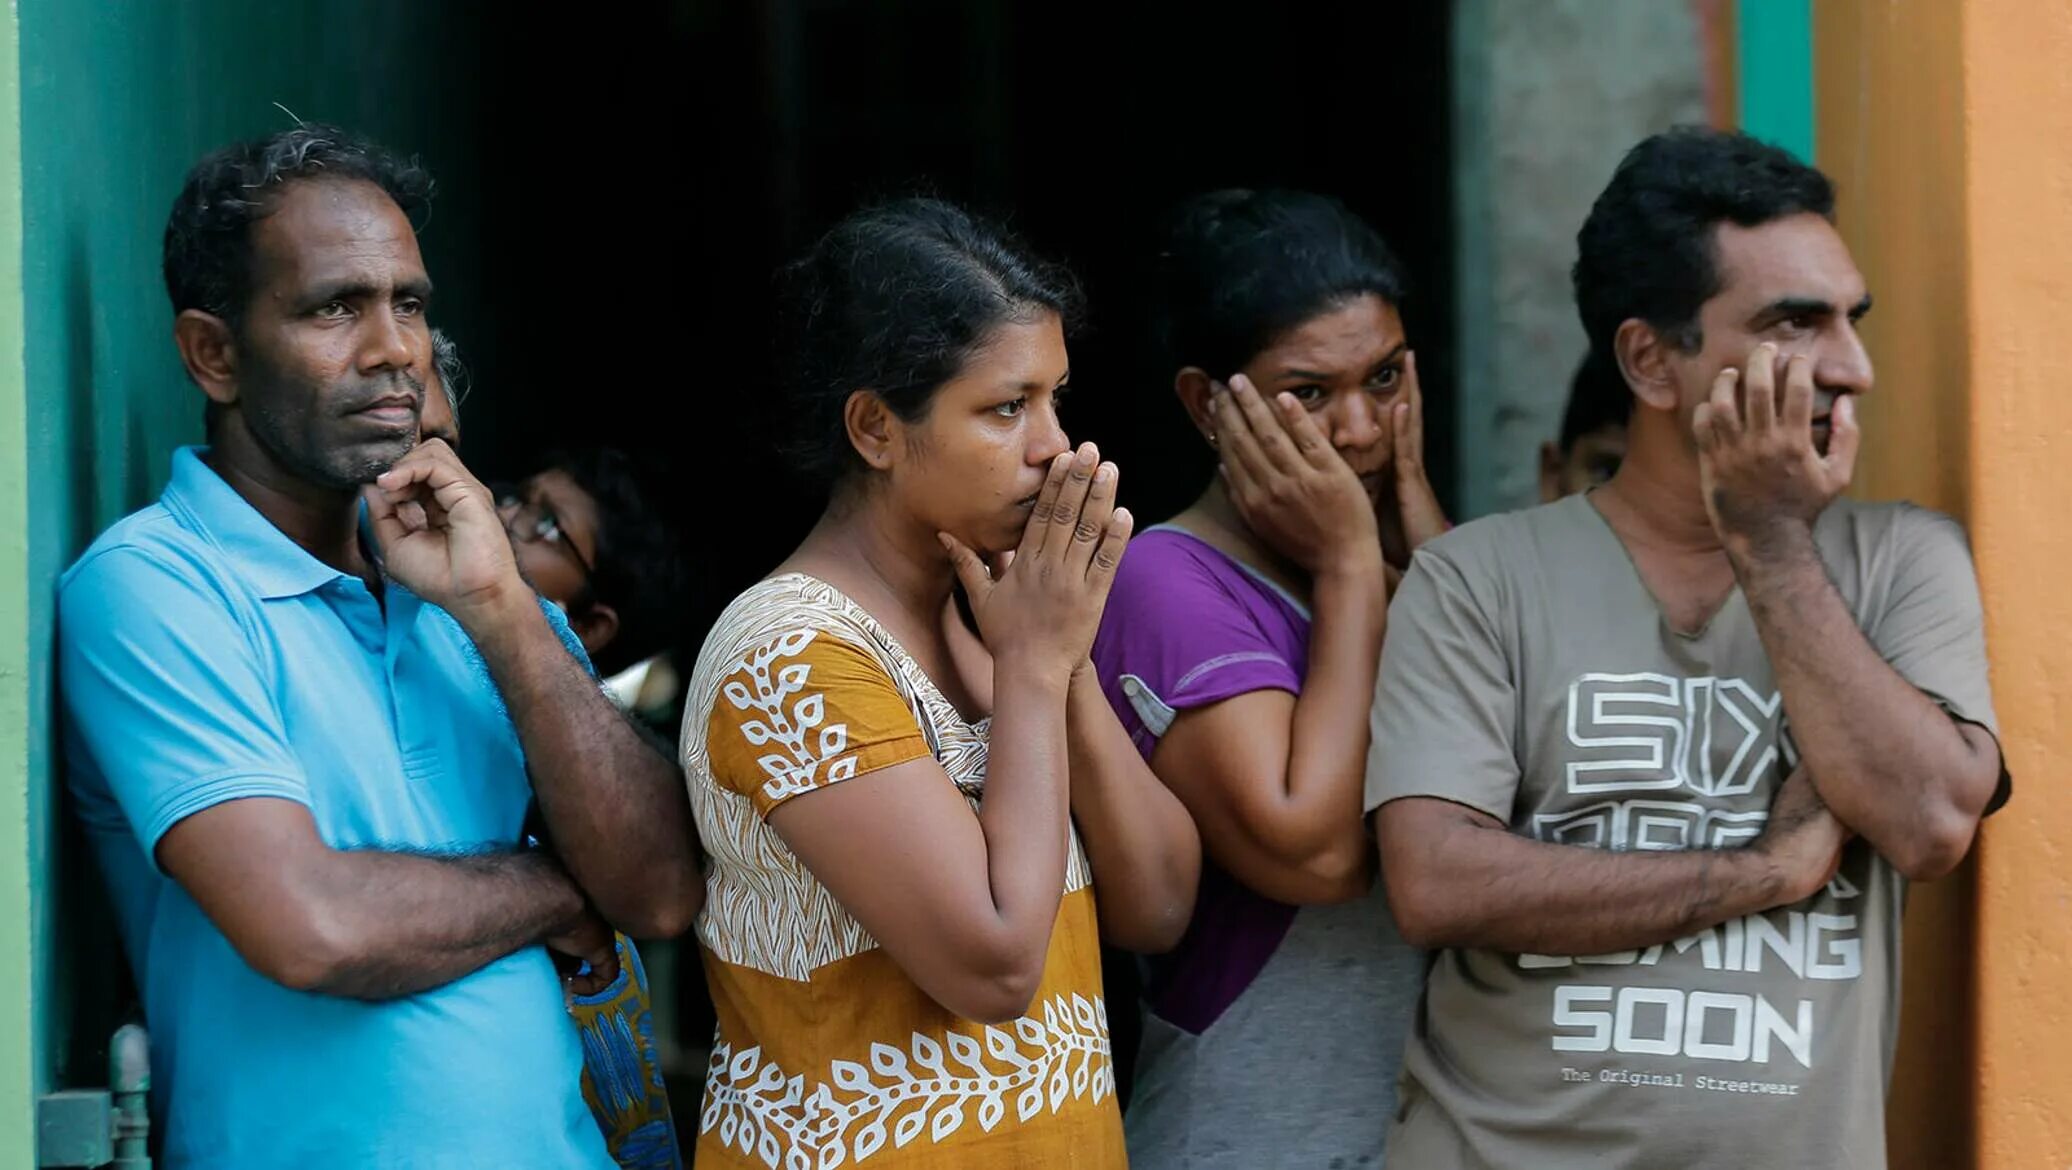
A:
[1193,386]
[208,348]
[874,430]
[595,627]
[1645,359]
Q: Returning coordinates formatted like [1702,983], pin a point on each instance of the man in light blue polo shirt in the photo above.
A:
[308,699]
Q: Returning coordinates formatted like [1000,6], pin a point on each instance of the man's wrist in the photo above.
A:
[569,905]
[499,614]
[1771,543]
[1749,881]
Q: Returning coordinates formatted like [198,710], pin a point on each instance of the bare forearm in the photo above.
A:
[1024,815]
[1142,845]
[1327,737]
[1487,888]
[1887,760]
[400,923]
[615,805]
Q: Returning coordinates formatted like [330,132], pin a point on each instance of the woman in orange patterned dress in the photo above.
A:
[910,797]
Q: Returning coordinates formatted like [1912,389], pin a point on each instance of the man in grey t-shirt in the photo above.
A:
[1652,766]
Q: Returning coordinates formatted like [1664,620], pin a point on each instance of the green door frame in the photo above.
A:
[21,1062]
[1774,63]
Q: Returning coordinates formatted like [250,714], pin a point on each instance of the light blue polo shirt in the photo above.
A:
[205,657]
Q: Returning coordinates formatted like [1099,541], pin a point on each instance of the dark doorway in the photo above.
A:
[644,172]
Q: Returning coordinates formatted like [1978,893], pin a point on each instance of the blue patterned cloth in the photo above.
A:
[622,1073]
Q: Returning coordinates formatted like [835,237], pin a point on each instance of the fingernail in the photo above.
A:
[1106,472]
[1123,514]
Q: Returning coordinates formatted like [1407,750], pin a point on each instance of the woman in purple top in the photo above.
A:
[1239,647]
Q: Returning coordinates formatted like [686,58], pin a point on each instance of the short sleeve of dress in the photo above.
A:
[1175,636]
[803,709]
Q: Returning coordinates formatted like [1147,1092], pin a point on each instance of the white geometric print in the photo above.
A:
[936,1086]
[764,909]
[1754,722]
[1650,825]
[1659,762]
[1652,732]
[1643,740]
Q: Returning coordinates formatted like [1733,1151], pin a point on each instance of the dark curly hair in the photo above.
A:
[1239,268]
[641,569]
[1648,250]
[208,236]
[894,299]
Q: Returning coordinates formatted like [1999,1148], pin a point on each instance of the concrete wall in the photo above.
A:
[116,102]
[1548,95]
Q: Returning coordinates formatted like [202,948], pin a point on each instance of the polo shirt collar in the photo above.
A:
[275,566]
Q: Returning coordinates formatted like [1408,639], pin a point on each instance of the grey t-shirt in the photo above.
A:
[1528,673]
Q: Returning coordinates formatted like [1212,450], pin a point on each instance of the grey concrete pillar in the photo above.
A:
[1547,95]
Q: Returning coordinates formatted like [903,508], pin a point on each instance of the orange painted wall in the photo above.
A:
[1949,129]
[1889,129]
[2018,191]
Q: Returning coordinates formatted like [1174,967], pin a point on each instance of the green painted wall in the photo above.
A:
[117,98]
[17,1054]
[1775,79]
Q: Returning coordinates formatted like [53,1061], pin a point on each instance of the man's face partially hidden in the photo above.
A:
[1790,281]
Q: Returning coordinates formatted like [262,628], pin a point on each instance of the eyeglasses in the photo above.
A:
[535,523]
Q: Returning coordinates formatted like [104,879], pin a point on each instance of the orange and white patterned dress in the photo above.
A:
[827,1054]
